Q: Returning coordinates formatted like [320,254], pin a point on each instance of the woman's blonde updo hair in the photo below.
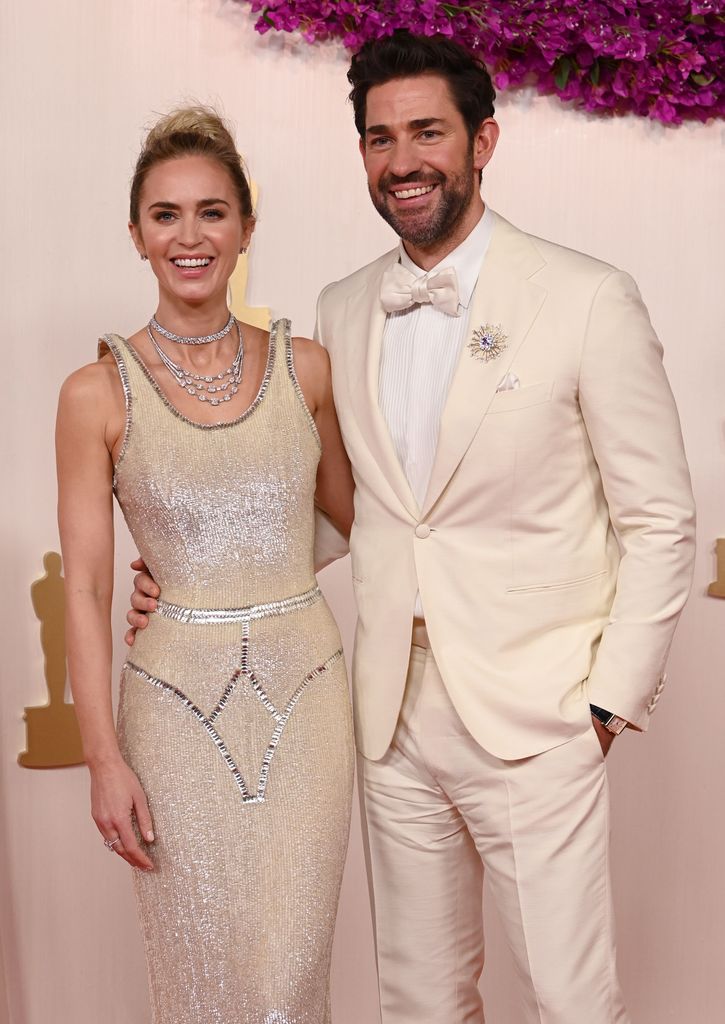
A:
[191,131]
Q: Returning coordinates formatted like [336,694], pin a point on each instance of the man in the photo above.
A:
[524,516]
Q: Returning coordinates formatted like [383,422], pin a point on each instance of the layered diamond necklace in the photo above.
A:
[215,389]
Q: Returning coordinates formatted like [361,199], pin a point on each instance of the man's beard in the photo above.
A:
[421,229]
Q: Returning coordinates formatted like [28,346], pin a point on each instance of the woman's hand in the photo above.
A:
[116,798]
[91,417]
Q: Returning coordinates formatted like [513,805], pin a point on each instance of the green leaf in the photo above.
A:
[595,73]
[562,70]
[700,79]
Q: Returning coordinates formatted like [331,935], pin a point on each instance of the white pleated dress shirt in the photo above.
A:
[420,352]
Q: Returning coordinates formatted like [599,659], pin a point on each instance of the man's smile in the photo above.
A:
[409,192]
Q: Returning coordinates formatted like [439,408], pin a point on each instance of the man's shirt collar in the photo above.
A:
[465,258]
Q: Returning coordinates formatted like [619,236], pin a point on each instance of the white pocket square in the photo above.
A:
[509,383]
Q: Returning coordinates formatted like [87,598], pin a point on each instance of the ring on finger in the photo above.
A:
[110,843]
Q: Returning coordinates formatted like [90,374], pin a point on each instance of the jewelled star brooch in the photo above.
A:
[488,342]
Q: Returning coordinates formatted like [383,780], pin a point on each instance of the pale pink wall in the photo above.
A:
[78,81]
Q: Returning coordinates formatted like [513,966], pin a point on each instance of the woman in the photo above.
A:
[228,781]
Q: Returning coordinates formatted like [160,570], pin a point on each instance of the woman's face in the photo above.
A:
[191,228]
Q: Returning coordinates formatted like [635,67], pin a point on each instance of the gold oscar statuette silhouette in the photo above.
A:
[53,739]
[258,316]
[717,588]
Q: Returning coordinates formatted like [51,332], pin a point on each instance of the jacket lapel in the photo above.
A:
[504,295]
[363,368]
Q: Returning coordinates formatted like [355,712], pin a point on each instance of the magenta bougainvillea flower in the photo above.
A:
[662,59]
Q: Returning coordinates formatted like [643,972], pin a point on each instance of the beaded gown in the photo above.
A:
[234,708]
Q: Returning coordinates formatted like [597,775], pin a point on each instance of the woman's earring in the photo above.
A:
[243,250]
[143,256]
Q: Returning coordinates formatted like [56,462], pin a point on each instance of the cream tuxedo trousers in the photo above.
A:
[440,810]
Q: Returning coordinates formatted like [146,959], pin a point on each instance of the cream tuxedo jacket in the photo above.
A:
[554,548]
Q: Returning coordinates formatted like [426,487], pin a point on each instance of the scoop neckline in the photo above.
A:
[256,401]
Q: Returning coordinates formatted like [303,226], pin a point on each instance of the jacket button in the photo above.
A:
[422,531]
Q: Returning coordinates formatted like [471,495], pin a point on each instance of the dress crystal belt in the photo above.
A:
[210,616]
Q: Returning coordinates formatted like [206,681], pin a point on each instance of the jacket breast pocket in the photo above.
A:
[521,398]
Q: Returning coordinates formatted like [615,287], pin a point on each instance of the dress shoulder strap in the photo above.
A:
[282,331]
[118,347]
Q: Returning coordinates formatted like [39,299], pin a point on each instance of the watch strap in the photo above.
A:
[613,723]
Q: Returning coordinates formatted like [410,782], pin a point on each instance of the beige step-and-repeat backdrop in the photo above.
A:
[78,81]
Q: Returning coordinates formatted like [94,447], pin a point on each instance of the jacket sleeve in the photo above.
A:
[634,430]
[330,544]
[318,333]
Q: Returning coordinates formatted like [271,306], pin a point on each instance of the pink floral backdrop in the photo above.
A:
[661,59]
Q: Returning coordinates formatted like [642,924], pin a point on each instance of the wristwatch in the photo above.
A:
[609,720]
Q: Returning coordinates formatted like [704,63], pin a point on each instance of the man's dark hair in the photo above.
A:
[403,55]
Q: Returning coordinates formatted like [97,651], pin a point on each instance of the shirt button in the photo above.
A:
[422,531]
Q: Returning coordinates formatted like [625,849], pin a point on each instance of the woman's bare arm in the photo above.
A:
[87,418]
[335,487]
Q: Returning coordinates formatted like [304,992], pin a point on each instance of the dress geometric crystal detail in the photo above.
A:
[280,717]
[245,616]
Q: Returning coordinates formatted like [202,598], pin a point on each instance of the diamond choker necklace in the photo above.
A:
[202,340]
[213,389]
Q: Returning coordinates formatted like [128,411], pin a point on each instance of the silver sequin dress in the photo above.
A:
[234,708]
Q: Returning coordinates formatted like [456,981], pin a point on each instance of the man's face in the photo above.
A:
[421,165]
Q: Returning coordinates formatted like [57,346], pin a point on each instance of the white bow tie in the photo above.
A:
[400,289]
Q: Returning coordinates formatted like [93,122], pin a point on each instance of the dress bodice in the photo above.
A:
[223,514]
